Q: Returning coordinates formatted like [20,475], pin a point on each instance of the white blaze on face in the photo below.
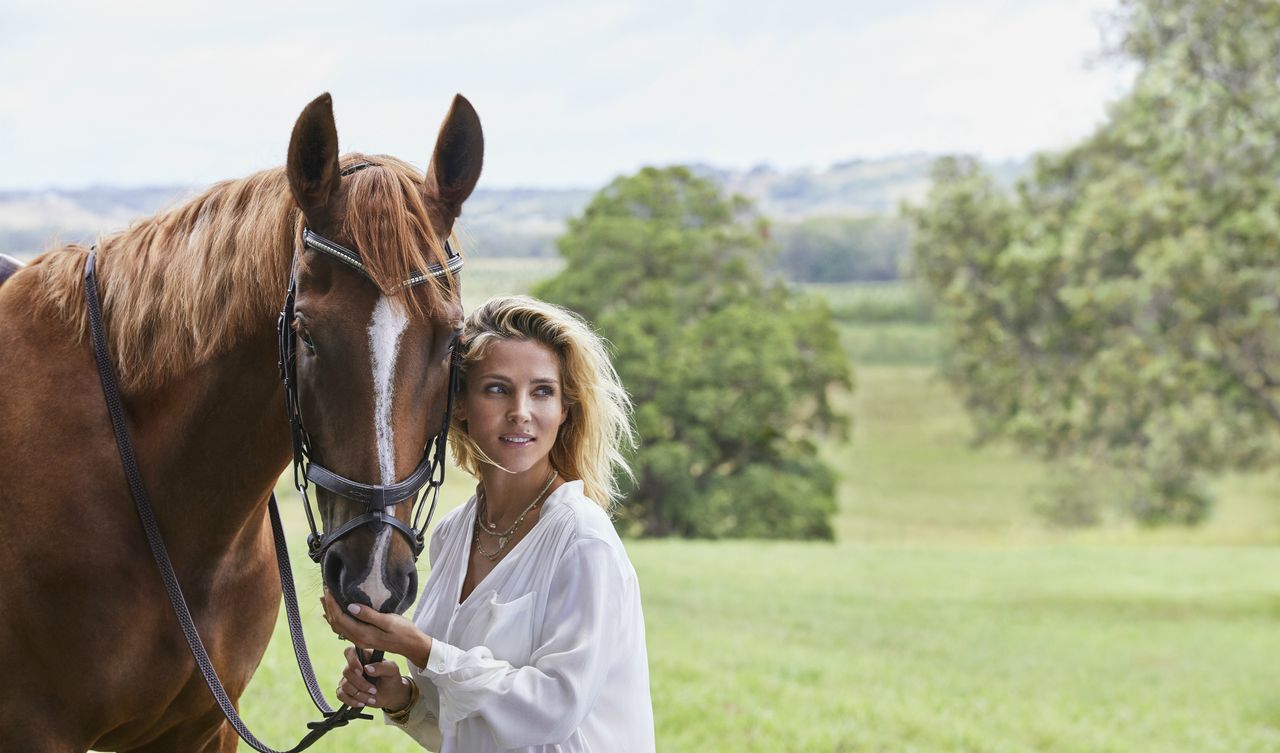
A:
[385,329]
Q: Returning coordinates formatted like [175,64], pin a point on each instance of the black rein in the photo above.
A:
[111,392]
[377,499]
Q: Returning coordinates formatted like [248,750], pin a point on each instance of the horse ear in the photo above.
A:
[313,170]
[458,157]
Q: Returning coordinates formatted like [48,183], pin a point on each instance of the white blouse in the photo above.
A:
[547,653]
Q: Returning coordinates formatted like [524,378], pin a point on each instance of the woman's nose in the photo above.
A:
[519,410]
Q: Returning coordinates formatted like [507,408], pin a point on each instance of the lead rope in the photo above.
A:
[111,392]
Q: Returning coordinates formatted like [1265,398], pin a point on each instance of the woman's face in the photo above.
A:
[513,403]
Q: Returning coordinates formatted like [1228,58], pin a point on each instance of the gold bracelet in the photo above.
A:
[402,714]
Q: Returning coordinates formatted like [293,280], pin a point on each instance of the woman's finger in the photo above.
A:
[385,668]
[371,616]
[352,696]
[332,611]
[355,631]
[338,622]
[353,677]
[346,694]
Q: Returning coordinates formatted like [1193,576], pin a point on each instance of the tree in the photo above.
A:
[841,249]
[1122,307]
[730,371]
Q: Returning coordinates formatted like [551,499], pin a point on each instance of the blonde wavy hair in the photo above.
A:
[591,441]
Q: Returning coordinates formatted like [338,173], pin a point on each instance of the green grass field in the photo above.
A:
[946,617]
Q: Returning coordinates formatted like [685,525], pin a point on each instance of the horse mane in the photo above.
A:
[185,285]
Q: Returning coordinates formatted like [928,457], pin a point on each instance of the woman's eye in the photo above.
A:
[545,392]
[496,389]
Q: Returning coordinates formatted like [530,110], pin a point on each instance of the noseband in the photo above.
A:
[378,500]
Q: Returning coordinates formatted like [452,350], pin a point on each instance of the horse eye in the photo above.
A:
[303,334]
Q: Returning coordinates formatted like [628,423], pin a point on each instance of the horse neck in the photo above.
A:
[201,385]
[211,444]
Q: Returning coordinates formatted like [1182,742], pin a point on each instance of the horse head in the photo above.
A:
[372,346]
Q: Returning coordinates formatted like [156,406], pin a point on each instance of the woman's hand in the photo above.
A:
[372,630]
[389,690]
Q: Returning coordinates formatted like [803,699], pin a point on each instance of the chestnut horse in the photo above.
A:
[91,648]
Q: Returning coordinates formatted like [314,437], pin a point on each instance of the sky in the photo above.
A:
[571,93]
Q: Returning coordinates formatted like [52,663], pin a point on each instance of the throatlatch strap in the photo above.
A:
[111,392]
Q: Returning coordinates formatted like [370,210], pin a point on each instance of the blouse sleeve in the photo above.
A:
[422,724]
[544,702]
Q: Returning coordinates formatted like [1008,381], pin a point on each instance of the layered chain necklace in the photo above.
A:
[491,529]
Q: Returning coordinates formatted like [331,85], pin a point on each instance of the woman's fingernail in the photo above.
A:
[372,692]
[354,609]
[359,704]
[368,668]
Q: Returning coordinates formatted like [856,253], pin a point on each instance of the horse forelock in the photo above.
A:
[185,285]
[390,225]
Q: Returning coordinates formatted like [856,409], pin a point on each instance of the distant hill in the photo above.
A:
[854,188]
[503,221]
[33,220]
[497,222]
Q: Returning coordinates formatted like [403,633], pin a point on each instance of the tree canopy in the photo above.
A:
[842,249]
[1121,308]
[730,370]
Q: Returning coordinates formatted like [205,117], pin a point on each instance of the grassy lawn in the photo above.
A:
[946,617]
[484,278]
[948,648]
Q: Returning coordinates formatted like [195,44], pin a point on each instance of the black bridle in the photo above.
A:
[378,500]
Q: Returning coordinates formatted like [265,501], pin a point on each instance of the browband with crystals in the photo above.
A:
[317,242]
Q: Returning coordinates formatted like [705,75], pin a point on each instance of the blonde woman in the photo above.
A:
[529,633]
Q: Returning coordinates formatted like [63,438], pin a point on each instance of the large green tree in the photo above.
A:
[730,370]
[1122,307]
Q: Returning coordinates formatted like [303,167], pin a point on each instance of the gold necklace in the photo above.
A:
[503,536]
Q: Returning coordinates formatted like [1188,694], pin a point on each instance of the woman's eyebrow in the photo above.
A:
[505,378]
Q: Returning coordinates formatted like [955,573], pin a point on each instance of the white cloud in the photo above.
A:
[571,92]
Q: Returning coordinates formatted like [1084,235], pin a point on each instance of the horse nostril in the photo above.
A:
[337,576]
[405,589]
[332,571]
